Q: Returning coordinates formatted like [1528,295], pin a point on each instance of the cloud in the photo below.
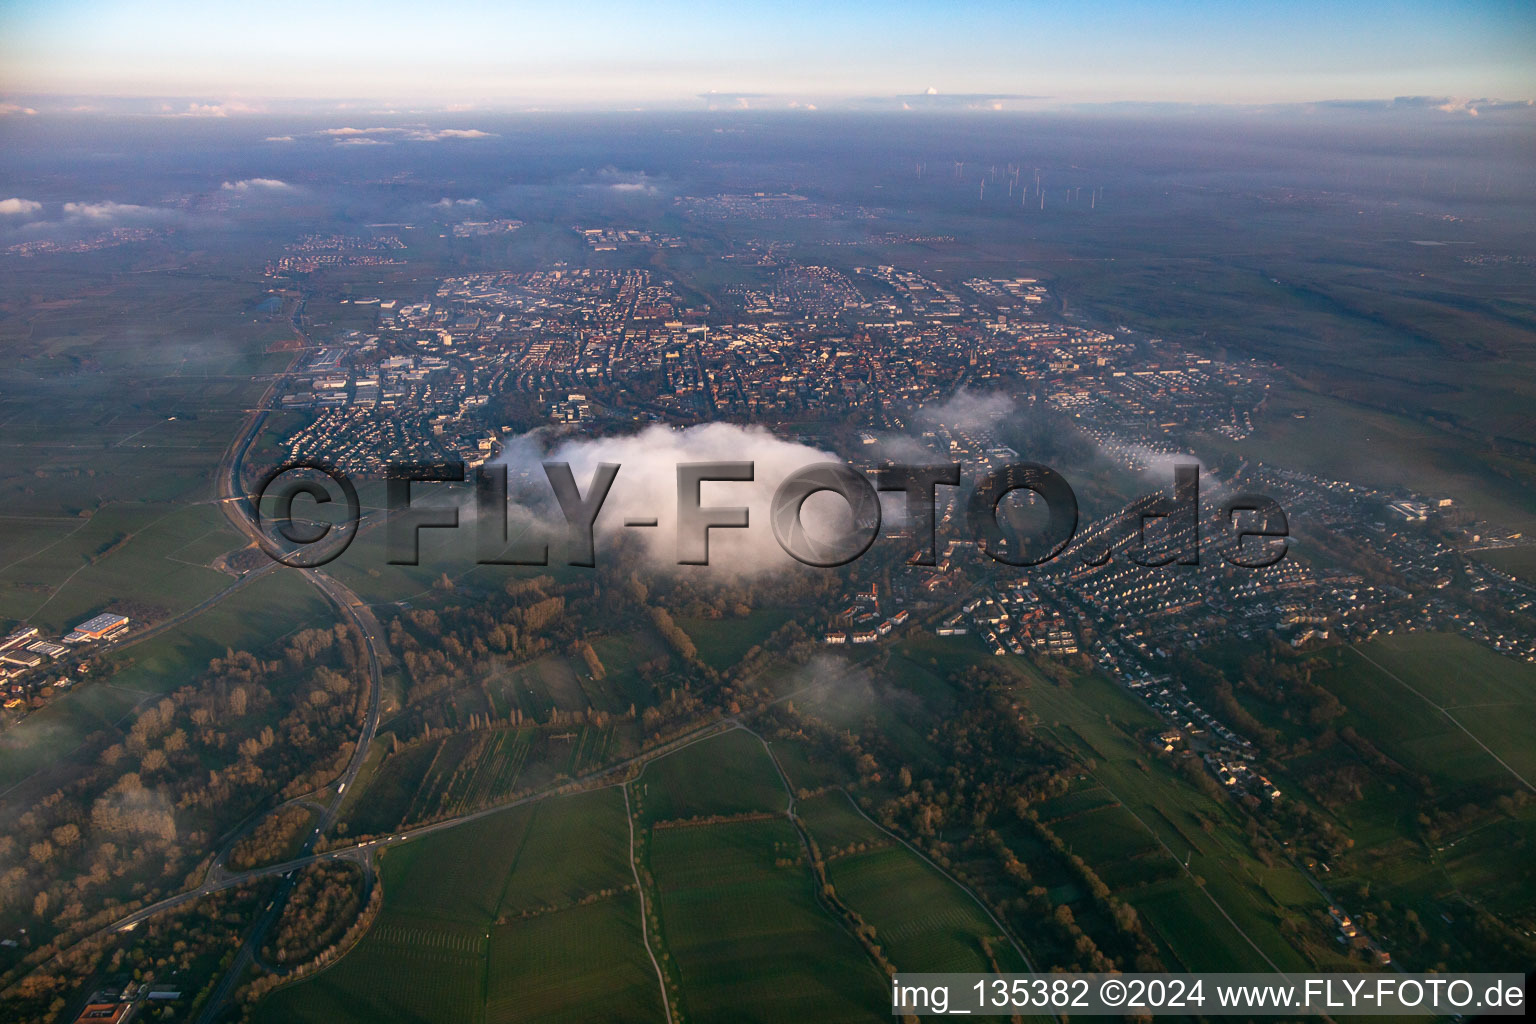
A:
[968,410]
[1436,104]
[111,213]
[844,694]
[279,138]
[646,487]
[210,109]
[416,133]
[12,108]
[20,208]
[962,100]
[732,100]
[452,133]
[362,142]
[256,184]
[612,179]
[447,204]
[87,218]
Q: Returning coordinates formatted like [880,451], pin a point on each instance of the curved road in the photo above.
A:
[241,513]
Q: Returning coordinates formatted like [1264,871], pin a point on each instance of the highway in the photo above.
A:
[241,513]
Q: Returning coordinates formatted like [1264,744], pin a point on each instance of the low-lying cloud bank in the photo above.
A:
[15,207]
[256,185]
[646,488]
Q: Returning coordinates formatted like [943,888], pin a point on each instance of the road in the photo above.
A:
[615,772]
[367,848]
[241,513]
[364,853]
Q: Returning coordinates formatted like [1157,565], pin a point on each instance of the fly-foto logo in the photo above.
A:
[1255,527]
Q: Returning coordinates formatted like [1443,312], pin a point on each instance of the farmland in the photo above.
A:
[1519,561]
[647,790]
[1445,707]
[441,777]
[1241,899]
[723,642]
[729,774]
[922,920]
[502,920]
[747,936]
[1134,820]
[1452,722]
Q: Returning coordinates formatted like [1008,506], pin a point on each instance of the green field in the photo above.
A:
[435,778]
[1156,822]
[728,774]
[582,964]
[748,939]
[154,373]
[251,618]
[1389,451]
[1094,719]
[1124,853]
[1457,719]
[922,920]
[525,915]
[1444,707]
[723,642]
[150,555]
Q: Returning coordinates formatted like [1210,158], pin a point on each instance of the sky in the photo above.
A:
[668,52]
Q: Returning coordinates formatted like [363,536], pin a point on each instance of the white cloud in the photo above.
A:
[447,204]
[279,138]
[1457,106]
[414,134]
[357,131]
[107,213]
[20,208]
[456,133]
[613,179]
[84,217]
[364,141]
[13,108]
[646,487]
[969,410]
[257,184]
[211,109]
